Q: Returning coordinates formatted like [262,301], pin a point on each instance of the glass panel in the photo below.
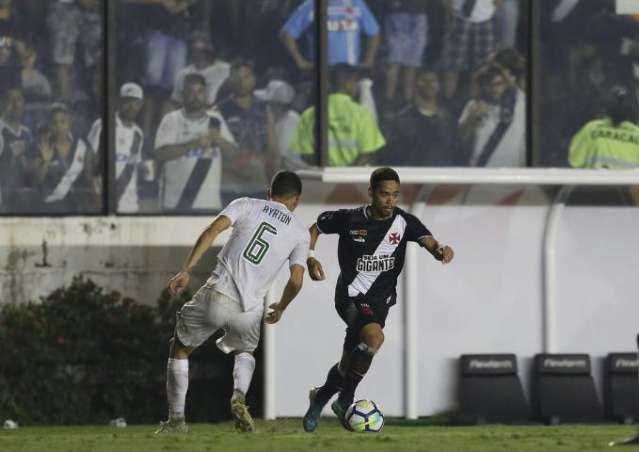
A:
[51,91]
[221,99]
[437,83]
[585,82]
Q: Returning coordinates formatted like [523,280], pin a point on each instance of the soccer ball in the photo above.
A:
[364,416]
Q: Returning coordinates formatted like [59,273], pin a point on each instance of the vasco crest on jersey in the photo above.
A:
[358,235]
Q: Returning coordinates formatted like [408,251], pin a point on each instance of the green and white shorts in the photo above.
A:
[209,311]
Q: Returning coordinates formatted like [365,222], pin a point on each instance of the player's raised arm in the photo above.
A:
[443,253]
[181,280]
[314,266]
[292,288]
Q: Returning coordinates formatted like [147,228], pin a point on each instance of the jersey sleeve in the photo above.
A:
[237,209]
[580,151]
[332,222]
[415,229]
[167,133]
[369,23]
[300,252]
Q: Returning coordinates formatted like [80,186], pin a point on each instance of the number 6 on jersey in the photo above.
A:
[258,246]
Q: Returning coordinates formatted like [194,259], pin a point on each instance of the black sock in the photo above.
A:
[334,382]
[361,360]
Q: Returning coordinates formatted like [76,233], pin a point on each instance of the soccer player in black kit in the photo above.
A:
[371,250]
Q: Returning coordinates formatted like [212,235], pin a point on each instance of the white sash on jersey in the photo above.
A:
[63,187]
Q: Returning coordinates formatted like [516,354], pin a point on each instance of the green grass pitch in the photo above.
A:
[286,435]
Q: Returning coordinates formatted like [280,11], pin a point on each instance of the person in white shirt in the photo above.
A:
[266,234]
[129,140]
[205,63]
[493,126]
[188,147]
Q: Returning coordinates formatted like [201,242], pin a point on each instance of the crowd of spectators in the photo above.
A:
[217,95]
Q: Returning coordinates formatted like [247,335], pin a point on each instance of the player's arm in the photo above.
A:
[443,253]
[293,287]
[314,266]
[181,280]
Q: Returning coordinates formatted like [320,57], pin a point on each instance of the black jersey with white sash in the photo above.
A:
[370,252]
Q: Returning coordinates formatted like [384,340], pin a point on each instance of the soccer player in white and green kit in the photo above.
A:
[265,236]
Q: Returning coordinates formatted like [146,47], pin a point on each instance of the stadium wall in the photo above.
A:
[489,300]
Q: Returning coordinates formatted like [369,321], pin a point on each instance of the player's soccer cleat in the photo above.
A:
[340,411]
[239,410]
[173,426]
[311,418]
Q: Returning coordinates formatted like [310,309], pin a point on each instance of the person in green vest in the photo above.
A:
[611,142]
[353,135]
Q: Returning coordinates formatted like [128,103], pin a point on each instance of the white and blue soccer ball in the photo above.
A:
[364,416]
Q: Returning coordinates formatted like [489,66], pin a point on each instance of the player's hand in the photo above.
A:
[178,283]
[444,254]
[315,269]
[274,315]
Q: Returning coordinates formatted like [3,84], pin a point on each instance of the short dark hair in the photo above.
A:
[620,106]
[194,78]
[382,174]
[285,184]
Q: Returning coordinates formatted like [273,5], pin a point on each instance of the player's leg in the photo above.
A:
[319,397]
[177,385]
[193,327]
[369,324]
[242,334]
[372,338]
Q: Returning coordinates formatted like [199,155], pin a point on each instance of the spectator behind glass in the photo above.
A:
[248,172]
[189,146]
[35,84]
[406,30]
[74,24]
[63,168]
[469,38]
[263,20]
[493,127]
[13,25]
[204,62]
[353,135]
[278,96]
[129,140]
[423,133]
[15,141]
[9,69]
[346,21]
[612,141]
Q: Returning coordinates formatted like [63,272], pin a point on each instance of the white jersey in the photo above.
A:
[128,157]
[193,181]
[265,235]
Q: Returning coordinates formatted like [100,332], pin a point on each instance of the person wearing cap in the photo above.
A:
[278,96]
[64,165]
[129,140]
[609,142]
[204,62]
[353,135]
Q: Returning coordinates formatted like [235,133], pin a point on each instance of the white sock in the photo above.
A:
[177,383]
[243,371]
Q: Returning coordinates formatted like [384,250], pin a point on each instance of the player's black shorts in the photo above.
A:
[356,314]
